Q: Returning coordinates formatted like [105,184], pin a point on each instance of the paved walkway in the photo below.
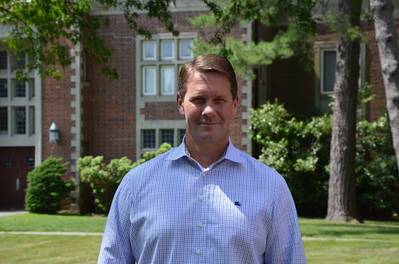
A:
[7,213]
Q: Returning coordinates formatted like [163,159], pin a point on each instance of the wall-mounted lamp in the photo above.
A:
[53,133]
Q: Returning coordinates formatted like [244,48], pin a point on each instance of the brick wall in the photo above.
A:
[56,107]
[109,106]
[109,124]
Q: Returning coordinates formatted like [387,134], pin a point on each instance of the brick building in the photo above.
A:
[137,112]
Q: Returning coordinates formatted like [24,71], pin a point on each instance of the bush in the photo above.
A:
[376,170]
[46,188]
[104,178]
[299,149]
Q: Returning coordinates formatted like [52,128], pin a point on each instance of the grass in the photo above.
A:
[30,249]
[42,222]
[370,243]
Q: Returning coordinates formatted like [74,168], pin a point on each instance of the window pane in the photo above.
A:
[180,135]
[185,46]
[18,61]
[19,88]
[19,120]
[149,50]
[167,136]
[31,120]
[149,80]
[167,48]
[3,60]
[148,138]
[168,79]
[3,88]
[3,120]
[329,62]
[31,87]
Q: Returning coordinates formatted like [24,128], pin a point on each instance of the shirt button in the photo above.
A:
[198,252]
[201,225]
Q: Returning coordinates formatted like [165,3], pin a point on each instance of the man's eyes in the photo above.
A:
[200,100]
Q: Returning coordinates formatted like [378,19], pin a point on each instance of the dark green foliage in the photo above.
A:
[45,29]
[377,182]
[104,178]
[46,188]
[299,149]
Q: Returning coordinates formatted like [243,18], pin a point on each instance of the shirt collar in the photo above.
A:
[232,153]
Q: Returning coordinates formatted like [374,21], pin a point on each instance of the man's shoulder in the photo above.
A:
[258,168]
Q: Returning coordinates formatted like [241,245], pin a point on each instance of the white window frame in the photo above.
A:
[30,102]
[154,89]
[180,49]
[163,92]
[173,49]
[154,58]
[161,61]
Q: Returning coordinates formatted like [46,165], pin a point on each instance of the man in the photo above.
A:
[204,201]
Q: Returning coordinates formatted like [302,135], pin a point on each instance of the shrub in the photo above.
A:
[376,169]
[104,178]
[299,149]
[46,188]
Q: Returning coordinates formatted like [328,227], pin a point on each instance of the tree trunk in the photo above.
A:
[385,35]
[341,188]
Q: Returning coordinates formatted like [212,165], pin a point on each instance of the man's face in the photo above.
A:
[208,107]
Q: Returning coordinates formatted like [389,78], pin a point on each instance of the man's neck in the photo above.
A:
[206,154]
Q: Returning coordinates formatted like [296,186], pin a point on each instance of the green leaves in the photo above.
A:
[46,188]
[299,150]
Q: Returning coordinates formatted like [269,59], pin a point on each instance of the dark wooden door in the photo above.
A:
[15,163]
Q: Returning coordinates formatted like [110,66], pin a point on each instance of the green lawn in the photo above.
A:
[42,222]
[371,242]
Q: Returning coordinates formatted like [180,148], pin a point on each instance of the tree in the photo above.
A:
[341,189]
[385,34]
[46,29]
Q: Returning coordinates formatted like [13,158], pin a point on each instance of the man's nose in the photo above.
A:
[209,109]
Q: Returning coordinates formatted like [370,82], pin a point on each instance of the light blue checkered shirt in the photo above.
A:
[171,210]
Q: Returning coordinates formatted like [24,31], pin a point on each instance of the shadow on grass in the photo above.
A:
[368,230]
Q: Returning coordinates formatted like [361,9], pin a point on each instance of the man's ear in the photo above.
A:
[179,102]
[237,102]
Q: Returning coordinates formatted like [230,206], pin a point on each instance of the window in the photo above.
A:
[167,136]
[149,80]
[30,161]
[7,162]
[18,62]
[167,49]
[148,137]
[185,46]
[19,120]
[3,120]
[327,71]
[3,60]
[159,64]
[31,120]
[19,88]
[3,88]
[149,50]
[168,80]
[17,100]
[31,88]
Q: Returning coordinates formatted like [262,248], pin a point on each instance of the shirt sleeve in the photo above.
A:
[284,243]
[116,246]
